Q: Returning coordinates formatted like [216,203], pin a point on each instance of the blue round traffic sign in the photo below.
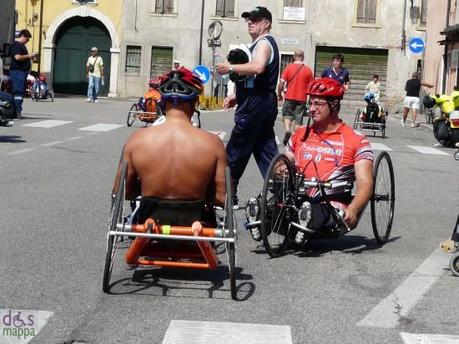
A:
[416,45]
[202,72]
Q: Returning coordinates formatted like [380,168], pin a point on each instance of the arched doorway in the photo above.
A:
[74,40]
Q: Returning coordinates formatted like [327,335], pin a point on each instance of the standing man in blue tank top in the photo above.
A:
[256,98]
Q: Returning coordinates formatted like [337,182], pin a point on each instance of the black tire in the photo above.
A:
[115,217]
[356,119]
[131,117]
[51,96]
[383,199]
[230,226]
[454,264]
[454,136]
[277,189]
[441,125]
[456,155]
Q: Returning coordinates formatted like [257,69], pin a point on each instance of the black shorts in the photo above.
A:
[175,212]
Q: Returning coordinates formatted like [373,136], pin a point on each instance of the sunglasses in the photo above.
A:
[254,19]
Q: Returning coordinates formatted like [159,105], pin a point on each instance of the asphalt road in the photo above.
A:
[55,186]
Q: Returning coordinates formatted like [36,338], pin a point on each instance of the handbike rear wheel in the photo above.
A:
[116,216]
[231,228]
[131,117]
[274,205]
[383,199]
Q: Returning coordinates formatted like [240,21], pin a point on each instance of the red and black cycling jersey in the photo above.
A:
[330,156]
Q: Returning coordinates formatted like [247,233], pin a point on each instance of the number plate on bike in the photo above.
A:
[454,115]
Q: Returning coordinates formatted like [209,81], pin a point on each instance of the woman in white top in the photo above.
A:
[374,87]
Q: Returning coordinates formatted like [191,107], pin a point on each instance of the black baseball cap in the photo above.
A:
[258,12]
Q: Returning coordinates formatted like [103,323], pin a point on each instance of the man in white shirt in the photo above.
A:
[94,73]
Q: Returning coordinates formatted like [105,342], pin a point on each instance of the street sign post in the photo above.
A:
[202,72]
[416,45]
[215,30]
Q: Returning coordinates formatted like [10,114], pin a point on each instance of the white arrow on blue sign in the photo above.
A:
[202,72]
[416,45]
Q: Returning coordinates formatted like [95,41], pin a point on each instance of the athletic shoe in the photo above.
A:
[235,202]
[414,125]
[300,238]
[88,100]
[286,137]
[96,101]
[255,233]
[403,123]
[447,246]
[9,124]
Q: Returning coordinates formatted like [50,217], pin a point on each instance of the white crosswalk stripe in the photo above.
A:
[50,123]
[380,147]
[220,134]
[102,127]
[209,332]
[427,150]
[410,338]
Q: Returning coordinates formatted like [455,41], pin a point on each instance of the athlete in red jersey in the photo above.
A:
[330,150]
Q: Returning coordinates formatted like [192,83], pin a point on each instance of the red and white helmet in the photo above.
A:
[326,88]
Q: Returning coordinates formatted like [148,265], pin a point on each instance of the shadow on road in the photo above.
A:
[184,284]
[349,244]
[11,139]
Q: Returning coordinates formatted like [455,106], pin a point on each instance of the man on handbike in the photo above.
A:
[177,169]
[328,150]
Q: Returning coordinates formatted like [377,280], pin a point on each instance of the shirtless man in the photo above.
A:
[176,168]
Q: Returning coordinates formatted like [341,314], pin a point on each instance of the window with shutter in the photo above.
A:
[224,8]
[366,11]
[164,6]
[161,61]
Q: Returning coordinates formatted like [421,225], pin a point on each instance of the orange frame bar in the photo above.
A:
[139,244]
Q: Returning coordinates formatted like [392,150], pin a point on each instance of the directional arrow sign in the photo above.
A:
[202,72]
[416,45]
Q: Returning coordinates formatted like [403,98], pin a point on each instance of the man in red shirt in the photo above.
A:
[295,78]
[331,150]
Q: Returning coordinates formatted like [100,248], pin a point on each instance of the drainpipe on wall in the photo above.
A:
[201,31]
[445,56]
[40,37]
[404,27]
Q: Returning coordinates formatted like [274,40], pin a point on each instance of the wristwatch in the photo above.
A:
[231,68]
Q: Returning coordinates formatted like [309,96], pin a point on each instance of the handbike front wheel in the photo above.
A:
[131,116]
[383,199]
[230,232]
[357,118]
[115,217]
[454,264]
[275,205]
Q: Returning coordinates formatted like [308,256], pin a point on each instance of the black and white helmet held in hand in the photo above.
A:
[239,55]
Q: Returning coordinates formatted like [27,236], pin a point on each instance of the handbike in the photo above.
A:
[283,208]
[152,254]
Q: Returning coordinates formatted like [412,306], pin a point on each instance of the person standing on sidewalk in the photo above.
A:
[19,68]
[256,98]
[412,100]
[337,71]
[94,73]
[295,79]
